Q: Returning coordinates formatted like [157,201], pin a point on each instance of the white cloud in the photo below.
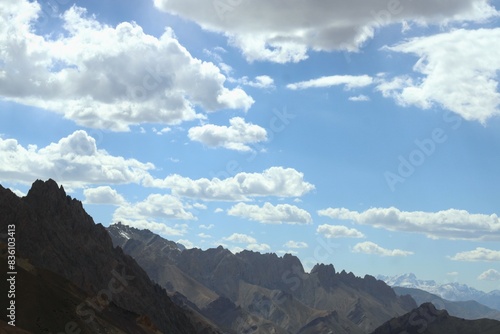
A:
[206,227]
[269,30]
[369,247]
[458,71]
[204,235]
[241,238]
[153,226]
[236,137]
[338,231]
[73,161]
[136,78]
[295,244]
[478,254]
[349,81]
[103,195]
[260,81]
[18,192]
[275,181]
[218,210]
[199,206]
[186,243]
[490,275]
[447,224]
[258,247]
[270,214]
[155,206]
[359,98]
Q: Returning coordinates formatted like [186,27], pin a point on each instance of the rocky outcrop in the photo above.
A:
[55,233]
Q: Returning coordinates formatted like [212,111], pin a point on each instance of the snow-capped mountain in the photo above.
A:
[452,291]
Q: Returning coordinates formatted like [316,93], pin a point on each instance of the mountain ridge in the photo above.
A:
[54,233]
[268,292]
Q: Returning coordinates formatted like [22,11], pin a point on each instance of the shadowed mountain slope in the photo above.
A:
[54,233]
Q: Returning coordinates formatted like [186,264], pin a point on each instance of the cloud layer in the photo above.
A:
[136,78]
[74,161]
[447,224]
[269,30]
[275,181]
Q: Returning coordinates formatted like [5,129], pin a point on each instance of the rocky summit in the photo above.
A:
[94,284]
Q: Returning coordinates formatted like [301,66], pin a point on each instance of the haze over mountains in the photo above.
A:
[75,275]
[451,291]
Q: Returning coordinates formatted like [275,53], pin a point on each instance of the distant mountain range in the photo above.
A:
[450,291]
[75,276]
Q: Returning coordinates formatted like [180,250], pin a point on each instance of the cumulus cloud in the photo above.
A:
[338,231]
[258,247]
[154,207]
[206,227]
[478,254]
[204,235]
[136,78]
[275,181]
[103,195]
[270,214]
[74,161]
[349,81]
[369,247]
[446,224]
[241,238]
[359,98]
[458,71]
[237,136]
[269,30]
[186,243]
[490,275]
[295,244]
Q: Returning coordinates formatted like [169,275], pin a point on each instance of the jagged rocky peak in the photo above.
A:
[47,192]
[325,274]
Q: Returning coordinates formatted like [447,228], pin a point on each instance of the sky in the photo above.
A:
[365,134]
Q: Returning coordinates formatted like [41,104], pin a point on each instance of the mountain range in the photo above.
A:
[249,292]
[451,291]
[75,276]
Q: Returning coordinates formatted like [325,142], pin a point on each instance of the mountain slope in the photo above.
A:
[258,292]
[426,319]
[462,309]
[55,233]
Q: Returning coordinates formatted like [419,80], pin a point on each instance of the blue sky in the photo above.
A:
[364,135]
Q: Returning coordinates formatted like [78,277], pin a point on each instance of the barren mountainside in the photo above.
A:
[263,293]
[55,234]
